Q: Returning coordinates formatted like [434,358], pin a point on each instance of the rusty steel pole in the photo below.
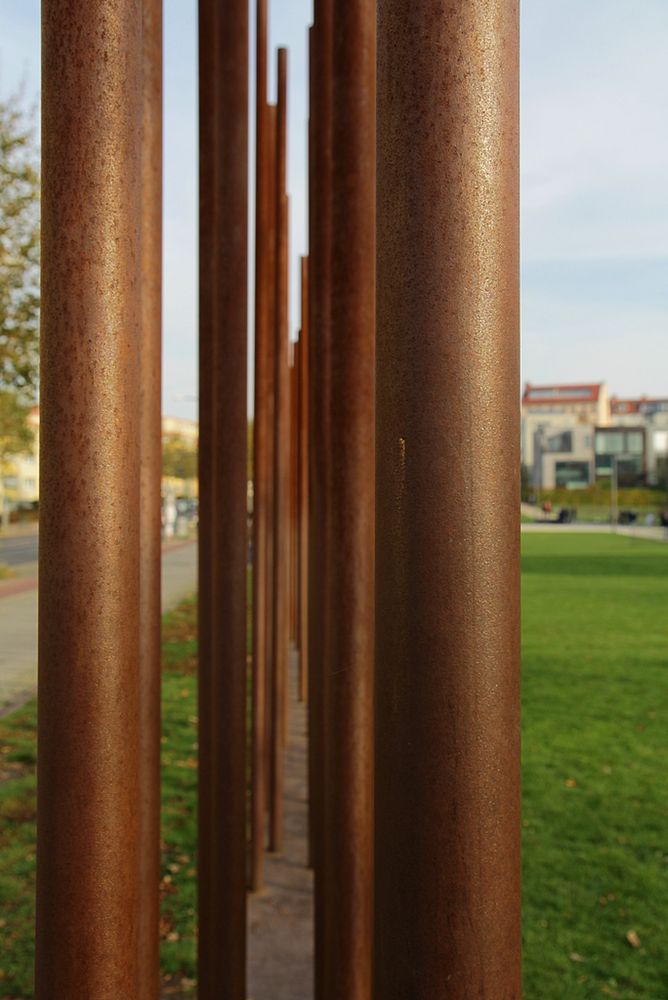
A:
[320,234]
[88,730]
[261,430]
[348,822]
[271,410]
[302,484]
[150,447]
[281,565]
[294,363]
[447,914]
[223,44]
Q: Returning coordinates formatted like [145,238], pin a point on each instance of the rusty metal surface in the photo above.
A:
[348,820]
[223,35]
[271,405]
[447,747]
[281,564]
[88,738]
[150,447]
[302,484]
[294,499]
[320,87]
[263,279]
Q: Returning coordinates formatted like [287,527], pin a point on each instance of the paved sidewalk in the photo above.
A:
[18,619]
[280,918]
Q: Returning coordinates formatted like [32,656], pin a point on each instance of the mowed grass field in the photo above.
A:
[595,767]
[595,694]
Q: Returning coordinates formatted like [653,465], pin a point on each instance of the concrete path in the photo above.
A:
[280,918]
[18,618]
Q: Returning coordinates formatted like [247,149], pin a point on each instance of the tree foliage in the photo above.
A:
[179,459]
[19,252]
[16,437]
[19,279]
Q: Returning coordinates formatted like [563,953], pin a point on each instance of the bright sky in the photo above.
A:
[594,190]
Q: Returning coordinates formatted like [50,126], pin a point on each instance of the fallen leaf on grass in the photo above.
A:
[574,957]
[633,939]
[570,783]
[165,928]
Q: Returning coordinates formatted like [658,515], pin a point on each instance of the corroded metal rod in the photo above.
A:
[150,446]
[348,822]
[271,410]
[320,172]
[281,567]
[88,824]
[223,33]
[294,540]
[447,914]
[294,366]
[302,484]
[261,430]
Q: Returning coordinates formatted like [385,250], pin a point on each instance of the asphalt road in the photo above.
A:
[20,550]
[18,618]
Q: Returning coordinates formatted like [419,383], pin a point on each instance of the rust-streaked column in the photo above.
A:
[320,174]
[447,747]
[348,823]
[271,409]
[88,832]
[281,567]
[150,446]
[261,430]
[294,365]
[223,39]
[294,466]
[302,484]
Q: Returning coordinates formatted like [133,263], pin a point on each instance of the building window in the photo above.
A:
[561,442]
[572,475]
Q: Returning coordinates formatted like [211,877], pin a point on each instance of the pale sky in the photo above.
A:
[594,188]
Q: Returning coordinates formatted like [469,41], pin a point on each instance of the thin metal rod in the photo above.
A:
[281,567]
[150,447]
[348,825]
[263,281]
[447,913]
[294,541]
[271,409]
[302,484]
[320,172]
[88,832]
[223,33]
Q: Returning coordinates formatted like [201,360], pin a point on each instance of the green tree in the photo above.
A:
[19,278]
[179,459]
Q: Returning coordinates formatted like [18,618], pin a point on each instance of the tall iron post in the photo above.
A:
[271,415]
[320,229]
[447,912]
[348,820]
[281,566]
[261,430]
[150,447]
[223,41]
[302,483]
[89,637]
[294,540]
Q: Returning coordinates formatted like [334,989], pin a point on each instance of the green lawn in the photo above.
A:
[17,822]
[595,789]
[595,763]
